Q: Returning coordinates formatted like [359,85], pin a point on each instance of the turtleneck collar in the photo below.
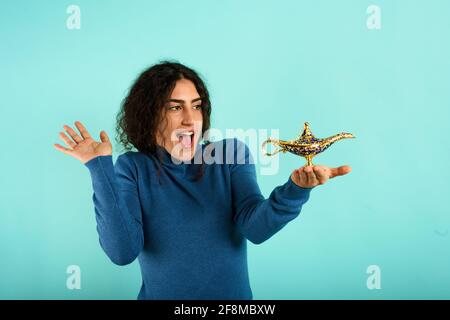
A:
[176,164]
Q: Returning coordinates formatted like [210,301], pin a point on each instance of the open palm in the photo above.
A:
[84,148]
[311,176]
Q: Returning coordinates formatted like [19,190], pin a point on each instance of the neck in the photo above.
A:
[168,158]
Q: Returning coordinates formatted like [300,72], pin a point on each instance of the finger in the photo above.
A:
[339,171]
[311,176]
[66,139]
[321,175]
[323,171]
[104,137]
[302,176]
[73,134]
[84,133]
[62,149]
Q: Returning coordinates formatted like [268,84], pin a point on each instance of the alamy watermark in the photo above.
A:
[73,21]
[73,281]
[373,21]
[224,149]
[374,279]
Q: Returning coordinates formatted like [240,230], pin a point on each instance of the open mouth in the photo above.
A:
[186,139]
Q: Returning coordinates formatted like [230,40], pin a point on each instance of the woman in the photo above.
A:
[186,221]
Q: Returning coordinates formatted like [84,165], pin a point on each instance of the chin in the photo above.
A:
[184,154]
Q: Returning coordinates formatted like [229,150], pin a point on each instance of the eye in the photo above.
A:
[198,107]
[174,108]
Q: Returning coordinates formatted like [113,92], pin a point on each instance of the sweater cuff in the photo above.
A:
[98,164]
[294,191]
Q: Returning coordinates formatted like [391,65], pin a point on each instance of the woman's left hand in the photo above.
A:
[311,176]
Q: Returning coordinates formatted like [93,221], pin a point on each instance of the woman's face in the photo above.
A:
[183,119]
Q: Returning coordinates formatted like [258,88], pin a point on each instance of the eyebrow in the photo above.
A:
[182,101]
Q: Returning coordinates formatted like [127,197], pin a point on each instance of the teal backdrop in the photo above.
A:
[267,64]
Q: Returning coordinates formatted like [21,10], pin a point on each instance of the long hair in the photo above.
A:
[142,110]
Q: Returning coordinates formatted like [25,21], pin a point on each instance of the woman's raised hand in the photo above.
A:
[84,148]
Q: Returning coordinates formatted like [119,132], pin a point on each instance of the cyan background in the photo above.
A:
[268,64]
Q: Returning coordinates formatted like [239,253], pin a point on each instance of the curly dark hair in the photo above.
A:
[142,110]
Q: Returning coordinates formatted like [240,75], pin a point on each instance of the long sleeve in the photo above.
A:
[117,207]
[259,218]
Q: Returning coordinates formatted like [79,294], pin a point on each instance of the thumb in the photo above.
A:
[340,171]
[104,137]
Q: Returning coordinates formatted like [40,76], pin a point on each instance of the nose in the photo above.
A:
[188,116]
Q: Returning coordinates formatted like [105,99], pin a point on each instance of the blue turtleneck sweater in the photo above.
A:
[189,236]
